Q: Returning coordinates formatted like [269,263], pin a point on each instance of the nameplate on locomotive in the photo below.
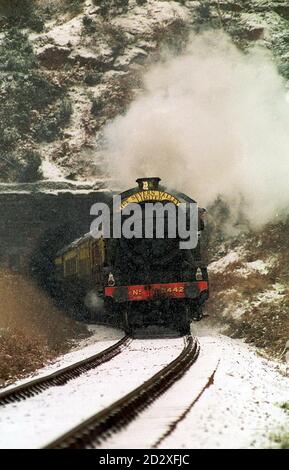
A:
[145,196]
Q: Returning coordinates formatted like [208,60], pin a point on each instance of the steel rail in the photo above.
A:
[62,376]
[93,431]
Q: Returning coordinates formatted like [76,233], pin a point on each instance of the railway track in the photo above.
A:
[62,376]
[94,430]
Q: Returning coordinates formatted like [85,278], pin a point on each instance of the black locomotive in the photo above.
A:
[142,280]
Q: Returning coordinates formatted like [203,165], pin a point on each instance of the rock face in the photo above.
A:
[134,55]
[250,287]
[95,56]
[52,56]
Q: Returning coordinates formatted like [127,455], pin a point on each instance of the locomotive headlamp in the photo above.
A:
[199,275]
[111,280]
[146,184]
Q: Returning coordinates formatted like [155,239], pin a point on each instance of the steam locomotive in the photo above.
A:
[138,281]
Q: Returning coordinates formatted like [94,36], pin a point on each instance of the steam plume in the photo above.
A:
[212,121]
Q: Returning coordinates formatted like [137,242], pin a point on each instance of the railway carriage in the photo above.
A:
[138,281]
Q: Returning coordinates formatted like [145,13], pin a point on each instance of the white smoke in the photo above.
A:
[93,302]
[211,121]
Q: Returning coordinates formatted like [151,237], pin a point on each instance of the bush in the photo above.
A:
[89,26]
[175,36]
[281,439]
[121,5]
[111,7]
[116,38]
[9,136]
[16,52]
[284,69]
[21,13]
[208,16]
[92,78]
[23,91]
[41,91]
[48,129]
[64,113]
[30,171]
[74,5]
[20,96]
[104,7]
[96,107]
[22,167]
[36,23]
[285,406]
[25,96]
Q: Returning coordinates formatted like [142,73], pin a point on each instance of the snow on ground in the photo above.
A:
[67,34]
[222,264]
[39,420]
[239,410]
[141,20]
[257,266]
[238,257]
[270,295]
[242,408]
[51,171]
[102,338]
[82,105]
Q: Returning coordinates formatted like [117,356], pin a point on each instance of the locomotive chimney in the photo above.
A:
[148,183]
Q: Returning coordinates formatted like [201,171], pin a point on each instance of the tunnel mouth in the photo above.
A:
[36,224]
[42,270]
